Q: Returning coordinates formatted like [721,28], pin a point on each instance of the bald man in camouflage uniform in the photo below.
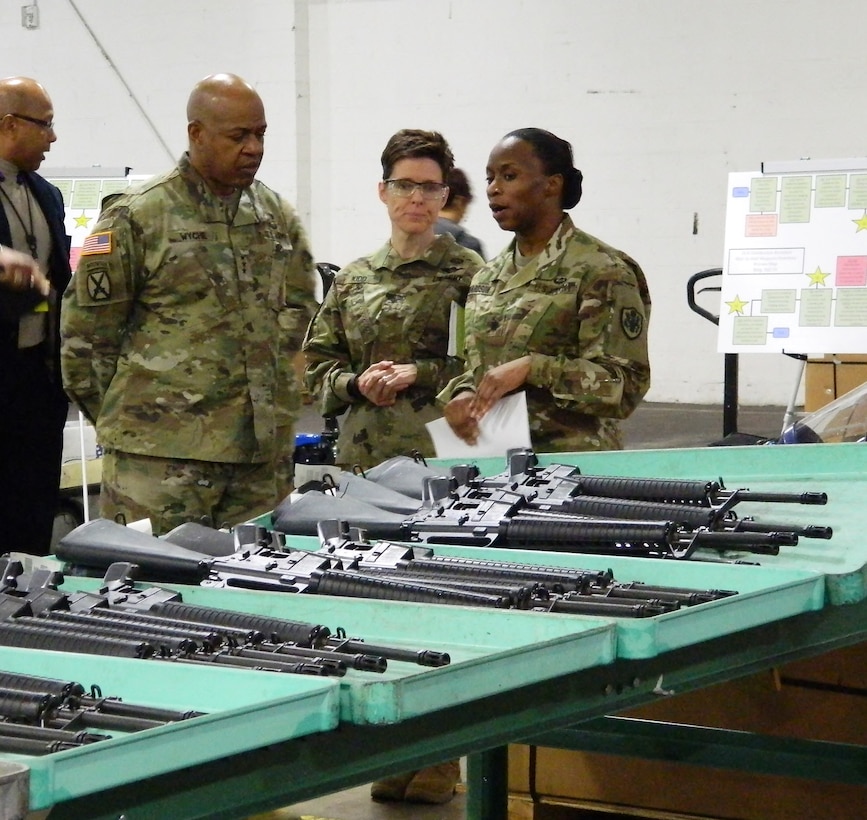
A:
[191,298]
[558,314]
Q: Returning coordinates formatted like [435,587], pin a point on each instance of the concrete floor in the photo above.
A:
[652,426]
[657,425]
[355,804]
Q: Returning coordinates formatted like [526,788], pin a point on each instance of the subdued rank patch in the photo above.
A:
[632,322]
[97,243]
[98,283]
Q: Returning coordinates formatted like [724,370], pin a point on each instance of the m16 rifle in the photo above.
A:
[347,564]
[154,623]
[473,516]
[39,715]
[558,508]
[516,585]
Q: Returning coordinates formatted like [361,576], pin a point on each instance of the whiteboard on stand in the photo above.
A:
[795,264]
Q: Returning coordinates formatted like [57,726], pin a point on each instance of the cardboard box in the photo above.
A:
[820,385]
[650,789]
[819,698]
[525,808]
[830,376]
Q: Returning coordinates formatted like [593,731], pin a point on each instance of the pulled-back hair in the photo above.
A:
[556,157]
[459,185]
[410,143]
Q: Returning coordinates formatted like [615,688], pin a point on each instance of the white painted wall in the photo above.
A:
[119,74]
[661,99]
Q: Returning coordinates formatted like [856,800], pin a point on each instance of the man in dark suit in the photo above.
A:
[34,271]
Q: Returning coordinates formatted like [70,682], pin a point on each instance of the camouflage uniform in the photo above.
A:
[383,307]
[184,315]
[580,311]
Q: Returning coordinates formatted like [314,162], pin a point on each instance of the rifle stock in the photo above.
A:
[302,515]
[100,542]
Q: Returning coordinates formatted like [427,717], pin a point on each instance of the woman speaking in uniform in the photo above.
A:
[558,314]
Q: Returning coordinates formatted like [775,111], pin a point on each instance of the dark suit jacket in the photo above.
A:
[13,305]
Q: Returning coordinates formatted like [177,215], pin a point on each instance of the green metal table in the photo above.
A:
[314,765]
[577,709]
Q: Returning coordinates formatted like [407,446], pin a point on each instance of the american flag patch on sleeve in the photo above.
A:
[97,243]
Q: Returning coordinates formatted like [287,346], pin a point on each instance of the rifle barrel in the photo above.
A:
[422,657]
[32,636]
[346,584]
[278,630]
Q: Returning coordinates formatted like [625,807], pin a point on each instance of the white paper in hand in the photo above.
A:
[505,427]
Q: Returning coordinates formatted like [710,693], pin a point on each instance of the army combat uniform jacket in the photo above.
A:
[184,314]
[383,307]
[580,310]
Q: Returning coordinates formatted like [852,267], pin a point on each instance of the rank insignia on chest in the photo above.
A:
[632,322]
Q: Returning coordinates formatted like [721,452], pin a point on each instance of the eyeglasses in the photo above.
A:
[48,125]
[406,187]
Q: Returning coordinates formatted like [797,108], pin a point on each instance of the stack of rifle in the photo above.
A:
[378,533]
[548,508]
[155,623]
[39,716]
[348,565]
[423,575]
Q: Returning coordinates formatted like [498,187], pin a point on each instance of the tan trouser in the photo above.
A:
[171,492]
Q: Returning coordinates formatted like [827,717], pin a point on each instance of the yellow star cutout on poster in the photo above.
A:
[82,221]
[861,223]
[818,277]
[737,305]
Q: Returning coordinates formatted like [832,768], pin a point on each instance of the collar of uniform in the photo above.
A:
[556,246]
[387,257]
[214,208]
[550,254]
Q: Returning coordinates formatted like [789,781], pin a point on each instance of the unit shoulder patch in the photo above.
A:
[632,322]
[98,283]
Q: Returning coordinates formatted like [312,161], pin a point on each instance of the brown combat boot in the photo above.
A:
[436,784]
[391,788]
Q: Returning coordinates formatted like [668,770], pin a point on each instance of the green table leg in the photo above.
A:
[488,784]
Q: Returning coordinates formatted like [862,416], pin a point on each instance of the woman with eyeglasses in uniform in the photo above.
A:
[379,345]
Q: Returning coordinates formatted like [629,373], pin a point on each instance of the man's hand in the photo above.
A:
[20,272]
[497,382]
[458,413]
